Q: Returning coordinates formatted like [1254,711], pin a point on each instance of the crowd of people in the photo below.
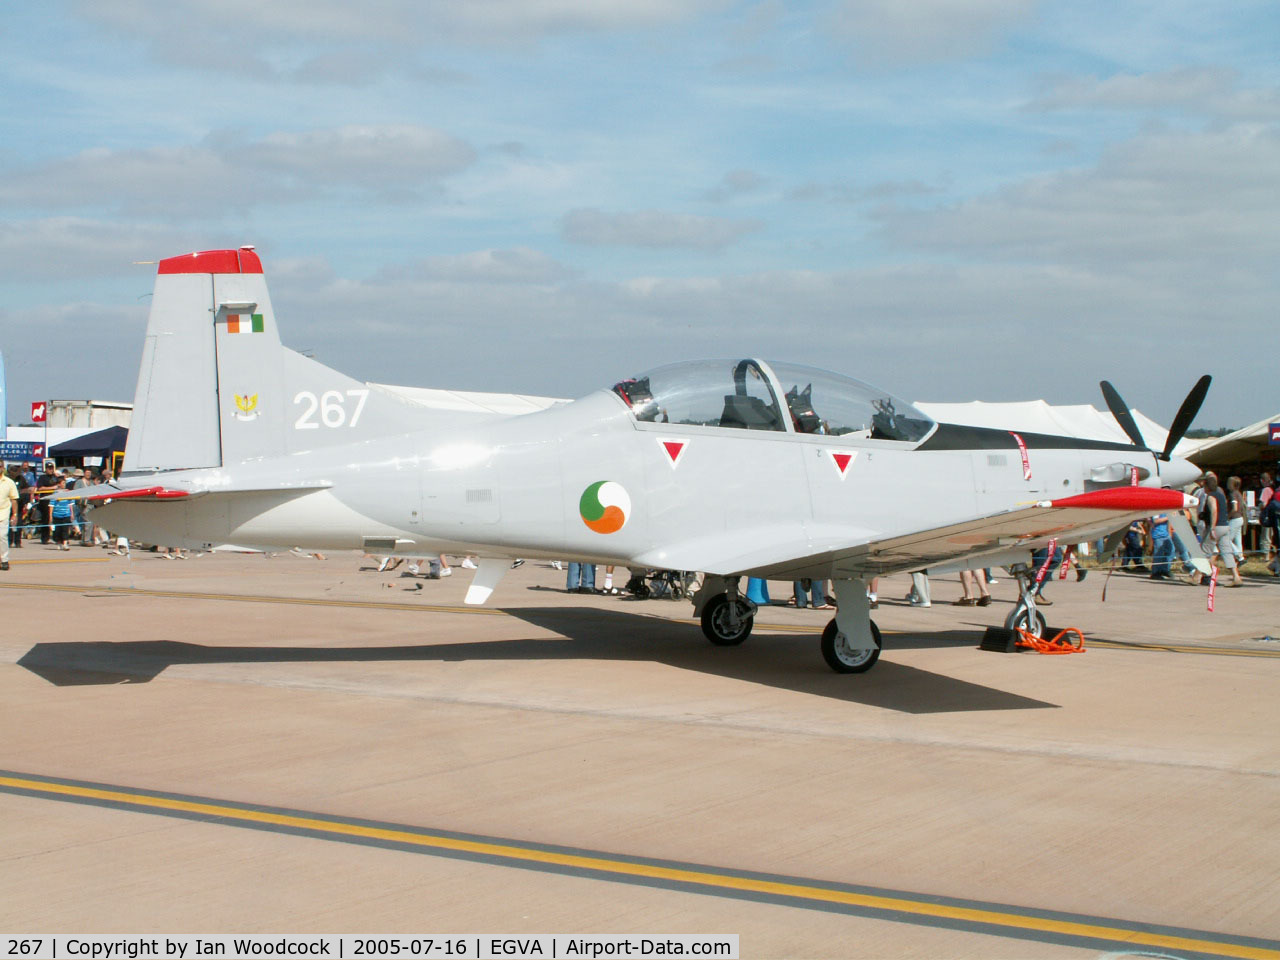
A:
[30,512]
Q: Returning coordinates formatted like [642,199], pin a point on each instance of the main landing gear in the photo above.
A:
[727,617]
[843,658]
[850,642]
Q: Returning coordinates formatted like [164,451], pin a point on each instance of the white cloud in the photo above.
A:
[248,36]
[69,248]
[227,174]
[1211,91]
[513,320]
[653,228]
[521,265]
[1202,201]
[397,155]
[735,184]
[926,331]
[814,192]
[894,33]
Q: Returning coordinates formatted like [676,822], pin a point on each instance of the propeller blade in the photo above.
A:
[1120,410]
[1186,414]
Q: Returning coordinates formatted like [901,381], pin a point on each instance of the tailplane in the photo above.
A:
[217,386]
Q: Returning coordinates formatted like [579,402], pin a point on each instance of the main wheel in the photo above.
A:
[841,657]
[717,626]
[1019,620]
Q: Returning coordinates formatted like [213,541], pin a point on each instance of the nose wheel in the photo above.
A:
[1028,620]
[841,657]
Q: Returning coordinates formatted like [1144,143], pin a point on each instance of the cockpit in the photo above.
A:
[753,394]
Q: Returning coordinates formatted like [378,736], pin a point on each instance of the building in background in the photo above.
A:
[89,414]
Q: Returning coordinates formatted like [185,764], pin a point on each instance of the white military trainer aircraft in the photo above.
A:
[741,467]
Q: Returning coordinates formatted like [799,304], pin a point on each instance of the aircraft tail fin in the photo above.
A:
[216,385]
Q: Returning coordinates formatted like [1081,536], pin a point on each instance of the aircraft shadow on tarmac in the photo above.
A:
[789,662]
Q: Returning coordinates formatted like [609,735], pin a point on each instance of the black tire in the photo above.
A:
[1019,620]
[840,658]
[715,622]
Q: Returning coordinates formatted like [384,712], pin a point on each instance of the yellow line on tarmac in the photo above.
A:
[602,863]
[1181,648]
[24,562]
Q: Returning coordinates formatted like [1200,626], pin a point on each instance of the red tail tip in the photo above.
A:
[244,260]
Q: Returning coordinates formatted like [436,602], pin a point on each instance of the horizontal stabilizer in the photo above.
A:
[106,493]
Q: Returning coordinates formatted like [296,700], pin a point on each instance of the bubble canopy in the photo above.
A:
[750,394]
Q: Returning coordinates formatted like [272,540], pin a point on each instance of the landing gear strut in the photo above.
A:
[851,642]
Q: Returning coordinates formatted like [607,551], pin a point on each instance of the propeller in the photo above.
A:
[1186,414]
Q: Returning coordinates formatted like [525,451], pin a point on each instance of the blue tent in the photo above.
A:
[100,443]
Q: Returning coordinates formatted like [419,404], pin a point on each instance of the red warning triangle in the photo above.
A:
[842,461]
[674,450]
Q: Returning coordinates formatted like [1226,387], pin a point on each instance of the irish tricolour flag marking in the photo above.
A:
[245,323]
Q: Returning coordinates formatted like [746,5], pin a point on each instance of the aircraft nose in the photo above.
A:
[1179,473]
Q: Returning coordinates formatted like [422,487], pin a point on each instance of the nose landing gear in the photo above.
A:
[1025,616]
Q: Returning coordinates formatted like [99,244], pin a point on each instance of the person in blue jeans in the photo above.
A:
[1161,548]
[64,524]
[1132,552]
[807,591]
[582,578]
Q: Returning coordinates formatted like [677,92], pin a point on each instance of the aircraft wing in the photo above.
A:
[998,538]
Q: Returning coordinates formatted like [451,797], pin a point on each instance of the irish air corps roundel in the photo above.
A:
[605,506]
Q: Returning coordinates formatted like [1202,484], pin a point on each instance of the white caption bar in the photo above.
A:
[470,946]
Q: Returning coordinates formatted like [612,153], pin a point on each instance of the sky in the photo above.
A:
[952,199]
